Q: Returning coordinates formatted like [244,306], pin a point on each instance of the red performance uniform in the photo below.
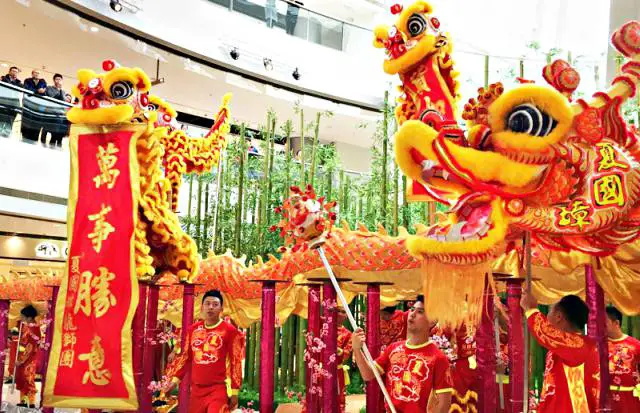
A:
[413,373]
[13,349]
[624,367]
[394,329]
[215,354]
[464,373]
[572,370]
[344,354]
[27,360]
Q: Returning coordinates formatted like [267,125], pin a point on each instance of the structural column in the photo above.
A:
[150,337]
[330,386]
[138,338]
[597,330]
[486,354]
[267,345]
[4,329]
[187,320]
[516,344]
[313,317]
[51,312]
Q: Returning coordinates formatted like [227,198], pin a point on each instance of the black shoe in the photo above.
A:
[22,405]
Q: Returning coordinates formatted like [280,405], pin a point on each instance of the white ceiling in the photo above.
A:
[44,36]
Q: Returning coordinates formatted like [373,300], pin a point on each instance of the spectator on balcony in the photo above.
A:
[35,83]
[56,91]
[12,77]
[291,18]
[271,13]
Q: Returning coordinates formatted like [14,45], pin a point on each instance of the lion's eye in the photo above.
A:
[121,90]
[529,119]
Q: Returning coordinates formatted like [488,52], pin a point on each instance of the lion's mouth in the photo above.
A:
[472,220]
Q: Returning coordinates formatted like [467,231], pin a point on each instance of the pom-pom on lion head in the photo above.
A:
[415,35]
[166,113]
[118,95]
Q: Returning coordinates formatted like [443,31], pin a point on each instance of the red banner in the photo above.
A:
[90,364]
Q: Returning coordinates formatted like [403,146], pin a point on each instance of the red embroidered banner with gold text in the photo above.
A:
[91,364]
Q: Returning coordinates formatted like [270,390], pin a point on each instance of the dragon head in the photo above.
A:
[166,113]
[118,95]
[415,36]
[532,161]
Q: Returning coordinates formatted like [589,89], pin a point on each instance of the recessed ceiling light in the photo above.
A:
[94,29]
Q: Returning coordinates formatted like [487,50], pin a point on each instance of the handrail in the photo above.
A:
[31,93]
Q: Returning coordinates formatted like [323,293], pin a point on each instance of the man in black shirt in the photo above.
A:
[8,115]
[35,83]
[56,92]
[12,77]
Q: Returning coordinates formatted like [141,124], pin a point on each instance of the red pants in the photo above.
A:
[209,399]
[624,402]
[26,382]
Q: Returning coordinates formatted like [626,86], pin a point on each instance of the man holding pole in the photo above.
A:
[215,350]
[624,366]
[572,372]
[414,368]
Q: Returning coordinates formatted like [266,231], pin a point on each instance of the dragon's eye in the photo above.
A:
[121,90]
[528,119]
[416,25]
[152,107]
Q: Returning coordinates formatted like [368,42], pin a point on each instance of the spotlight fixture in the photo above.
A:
[115,5]
[234,53]
[296,74]
[268,64]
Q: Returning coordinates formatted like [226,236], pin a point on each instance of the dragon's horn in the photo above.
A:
[625,40]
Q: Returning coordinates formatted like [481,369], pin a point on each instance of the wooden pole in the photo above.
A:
[527,344]
[300,347]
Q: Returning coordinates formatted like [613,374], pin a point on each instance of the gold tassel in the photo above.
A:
[454,294]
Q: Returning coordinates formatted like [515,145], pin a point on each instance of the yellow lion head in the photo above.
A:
[415,35]
[118,95]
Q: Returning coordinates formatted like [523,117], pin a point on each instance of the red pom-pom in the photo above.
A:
[273,228]
[144,100]
[396,9]
[435,23]
[109,65]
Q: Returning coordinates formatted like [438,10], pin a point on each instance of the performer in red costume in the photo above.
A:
[215,350]
[344,354]
[624,366]
[571,377]
[13,349]
[393,326]
[414,368]
[27,357]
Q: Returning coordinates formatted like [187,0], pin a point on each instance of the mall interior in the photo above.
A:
[310,104]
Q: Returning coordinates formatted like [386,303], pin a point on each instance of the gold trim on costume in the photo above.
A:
[213,326]
[617,340]
[417,346]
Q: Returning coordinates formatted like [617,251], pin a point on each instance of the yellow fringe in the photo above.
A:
[454,293]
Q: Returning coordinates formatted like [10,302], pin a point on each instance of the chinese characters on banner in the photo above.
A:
[607,188]
[90,364]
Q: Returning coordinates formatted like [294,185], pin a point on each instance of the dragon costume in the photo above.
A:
[531,161]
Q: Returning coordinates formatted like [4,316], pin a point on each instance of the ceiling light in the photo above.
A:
[234,53]
[296,74]
[115,5]
[94,29]
[4,65]
[268,64]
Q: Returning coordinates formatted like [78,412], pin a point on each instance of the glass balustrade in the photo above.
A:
[32,118]
[305,24]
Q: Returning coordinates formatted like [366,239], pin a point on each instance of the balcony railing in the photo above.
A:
[31,117]
[303,23]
